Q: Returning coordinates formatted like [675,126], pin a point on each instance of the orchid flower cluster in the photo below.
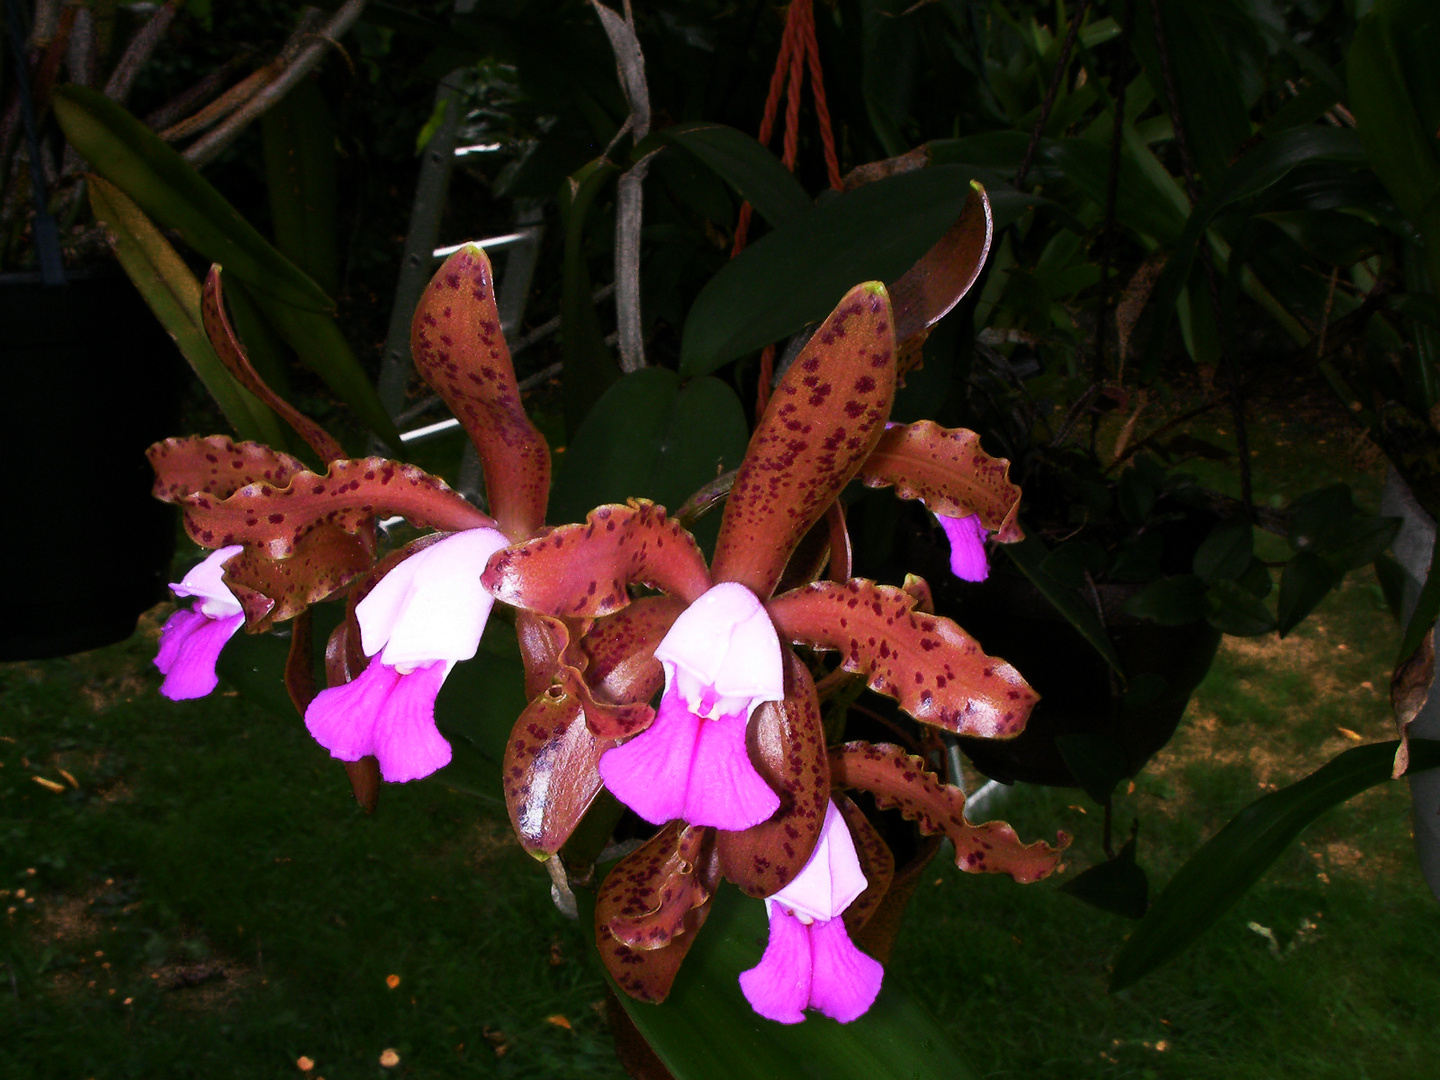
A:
[732,766]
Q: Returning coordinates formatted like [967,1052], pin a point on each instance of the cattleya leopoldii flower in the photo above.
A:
[722,661]
[291,536]
[191,640]
[810,960]
[592,647]
[625,605]
[422,617]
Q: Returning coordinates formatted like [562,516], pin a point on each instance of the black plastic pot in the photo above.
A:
[91,379]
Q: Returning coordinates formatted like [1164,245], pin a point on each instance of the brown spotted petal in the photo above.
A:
[216,465]
[650,907]
[544,644]
[901,781]
[822,423]
[944,274]
[877,862]
[232,354]
[946,470]
[550,775]
[274,517]
[937,672]
[788,749]
[586,570]
[621,649]
[325,559]
[459,350]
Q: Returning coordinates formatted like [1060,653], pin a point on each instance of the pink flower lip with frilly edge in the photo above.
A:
[419,620]
[722,659]
[967,546]
[810,961]
[191,640]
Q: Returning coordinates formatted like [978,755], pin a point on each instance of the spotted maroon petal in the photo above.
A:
[232,354]
[190,644]
[458,348]
[821,424]
[217,465]
[658,897]
[273,517]
[937,672]
[902,781]
[584,571]
[946,469]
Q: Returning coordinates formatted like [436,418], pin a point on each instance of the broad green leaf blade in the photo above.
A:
[1263,166]
[1209,43]
[1306,580]
[1028,555]
[173,294]
[590,367]
[798,273]
[706,1030]
[1235,858]
[753,171]
[651,438]
[299,140]
[1117,885]
[167,188]
[1392,79]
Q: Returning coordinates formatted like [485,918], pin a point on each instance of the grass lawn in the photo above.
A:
[192,892]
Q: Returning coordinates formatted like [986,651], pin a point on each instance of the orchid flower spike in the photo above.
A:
[810,961]
[191,640]
[722,660]
[421,618]
[967,546]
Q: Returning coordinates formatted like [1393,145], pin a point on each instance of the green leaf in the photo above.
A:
[706,1030]
[1201,37]
[170,191]
[1096,759]
[1225,553]
[589,366]
[1233,609]
[1308,579]
[753,171]
[1117,885]
[299,140]
[1171,601]
[1264,165]
[1029,555]
[797,274]
[650,437]
[173,294]
[1392,91]
[1234,859]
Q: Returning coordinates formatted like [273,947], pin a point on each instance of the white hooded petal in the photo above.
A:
[431,606]
[831,880]
[725,641]
[205,581]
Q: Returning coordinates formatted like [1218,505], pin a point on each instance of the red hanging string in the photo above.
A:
[798,49]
